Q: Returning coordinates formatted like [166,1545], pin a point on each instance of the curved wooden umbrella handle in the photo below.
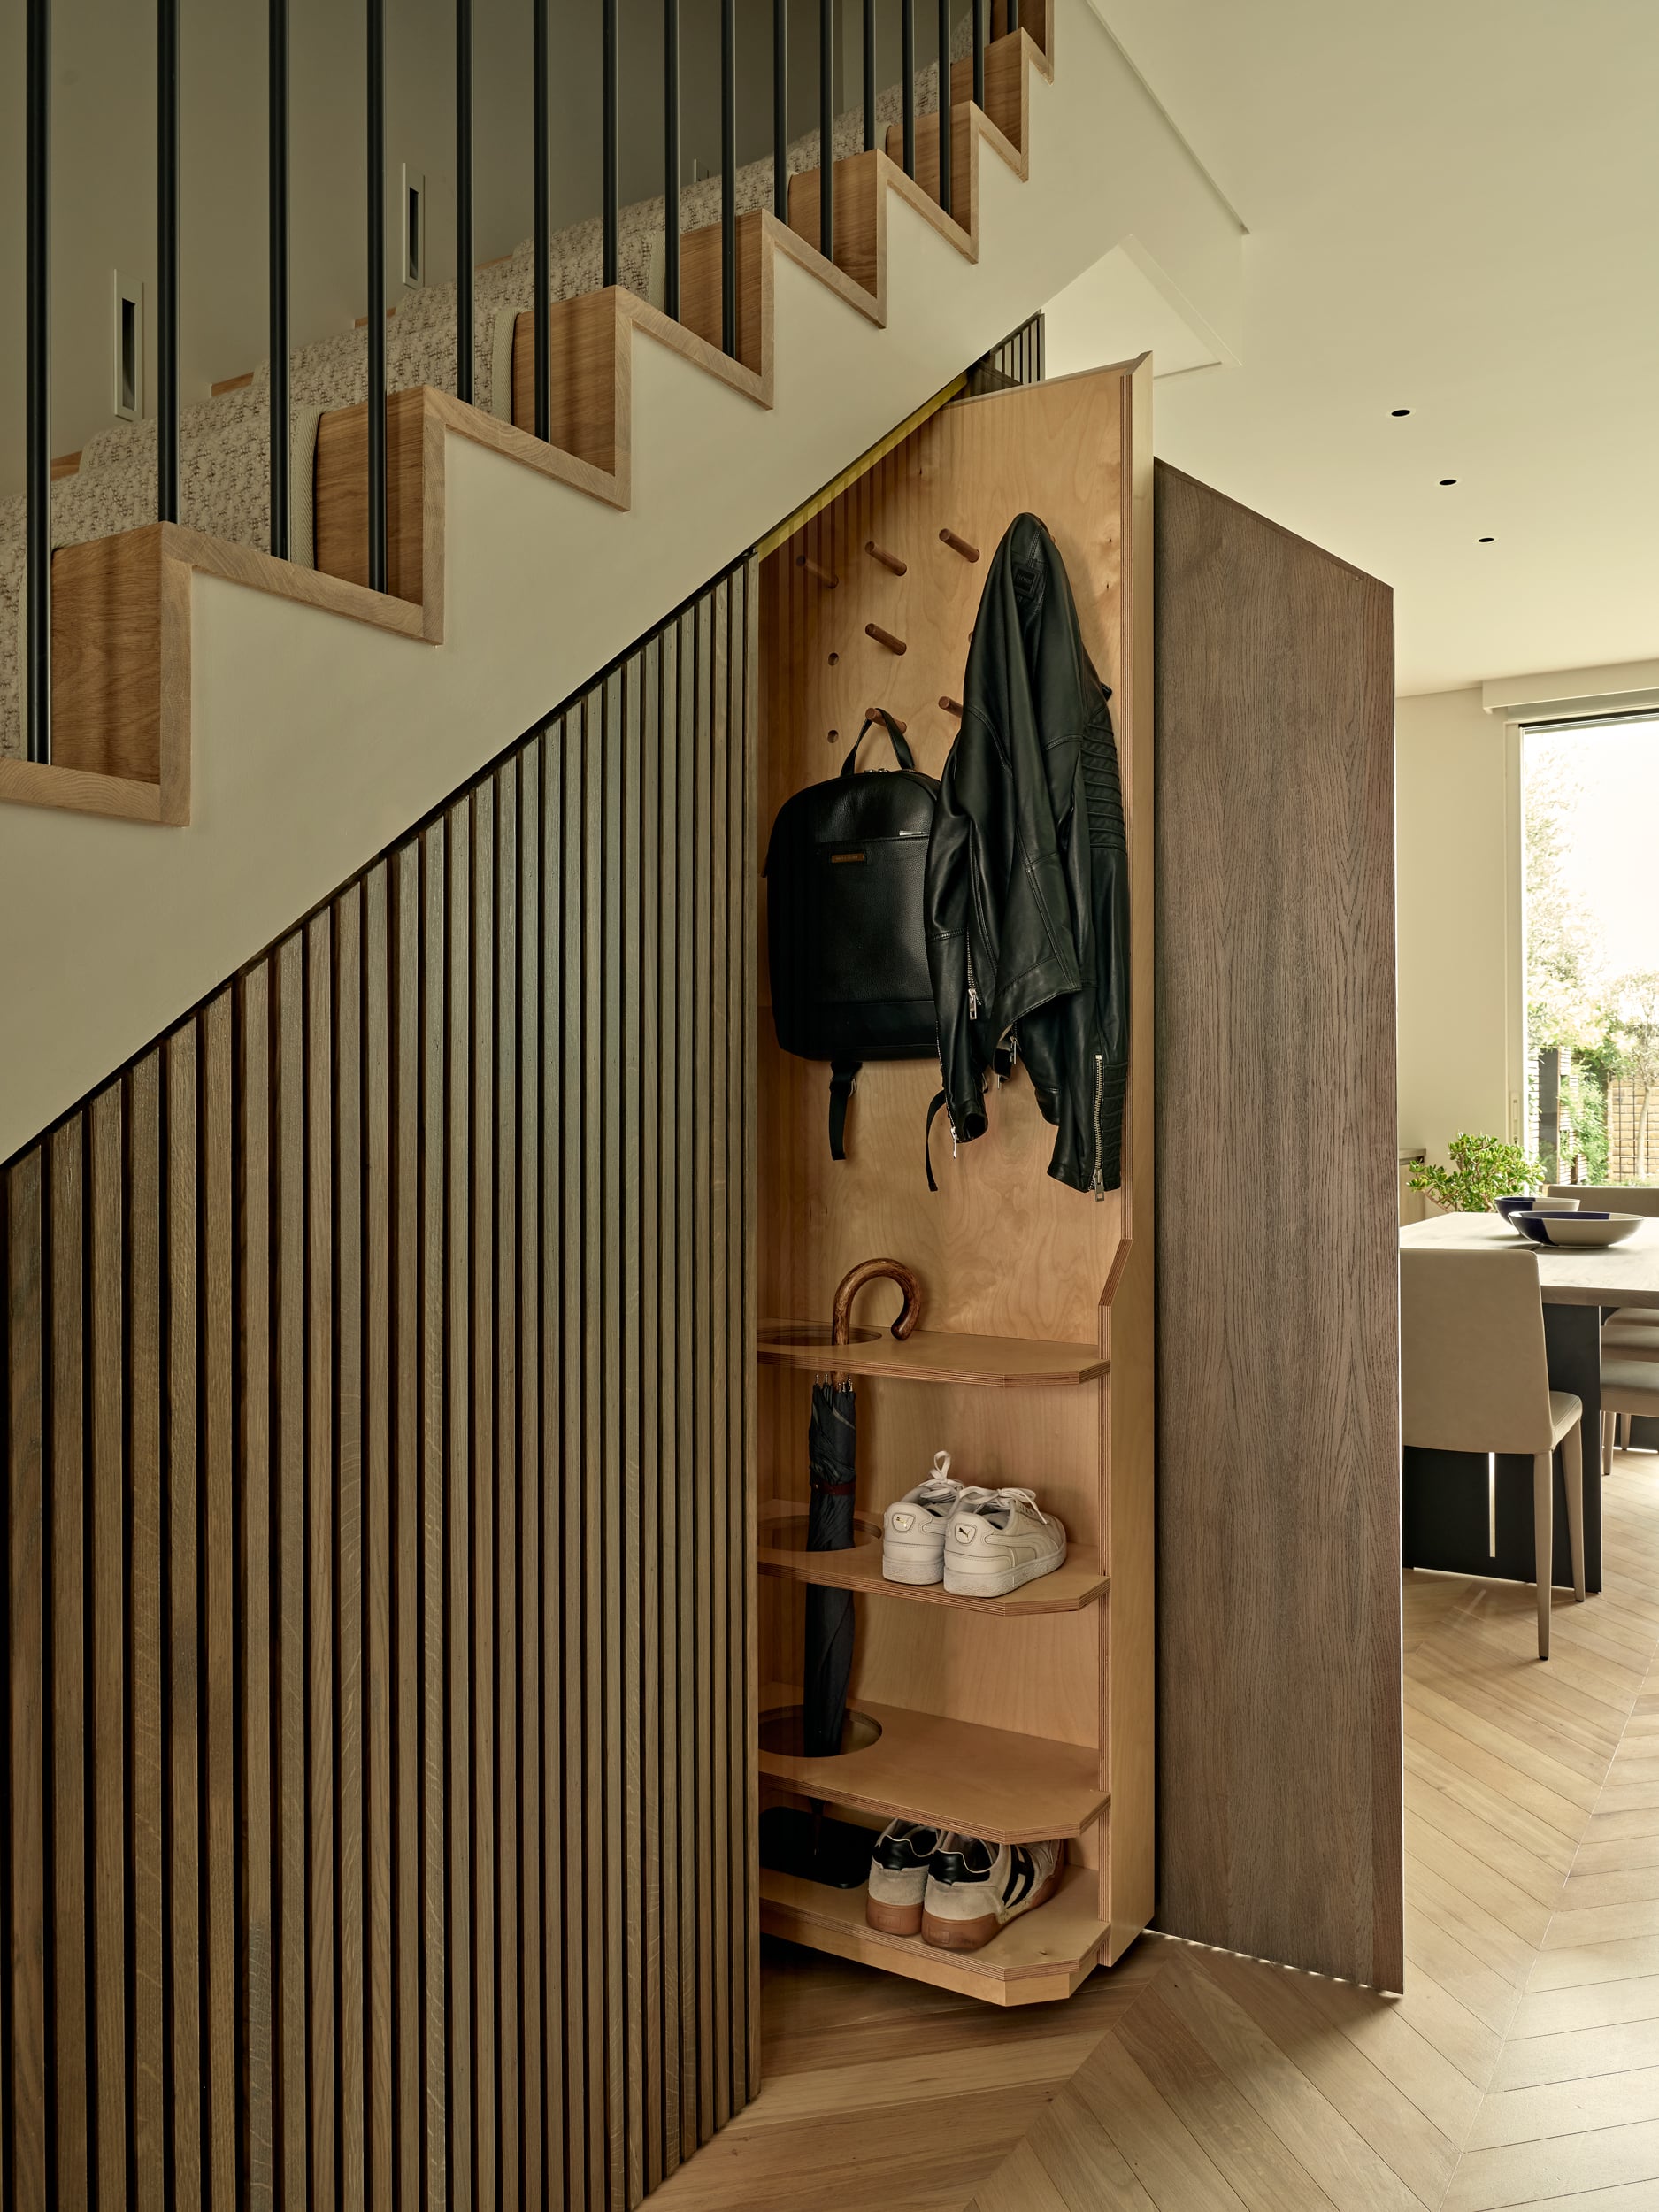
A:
[868,1271]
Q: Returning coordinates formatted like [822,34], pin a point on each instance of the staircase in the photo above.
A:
[281,723]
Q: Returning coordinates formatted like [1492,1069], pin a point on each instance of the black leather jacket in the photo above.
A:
[1027,900]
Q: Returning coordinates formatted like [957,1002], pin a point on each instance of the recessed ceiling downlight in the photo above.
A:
[1447,479]
[1399,410]
[1486,540]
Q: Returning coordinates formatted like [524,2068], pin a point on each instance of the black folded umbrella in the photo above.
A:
[832,1465]
[831,1453]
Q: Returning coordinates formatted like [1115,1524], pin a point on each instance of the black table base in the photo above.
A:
[1445,1508]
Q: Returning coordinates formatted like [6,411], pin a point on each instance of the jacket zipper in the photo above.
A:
[1097,1181]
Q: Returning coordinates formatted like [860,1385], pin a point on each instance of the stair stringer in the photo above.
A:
[317,742]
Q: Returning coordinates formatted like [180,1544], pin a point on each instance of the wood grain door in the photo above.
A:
[1278,1521]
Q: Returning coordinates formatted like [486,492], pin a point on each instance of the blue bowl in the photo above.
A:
[1524,1202]
[1537,1226]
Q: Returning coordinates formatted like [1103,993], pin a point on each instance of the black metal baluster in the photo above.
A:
[277,272]
[728,176]
[870,75]
[542,288]
[670,157]
[610,136]
[1042,346]
[780,109]
[1013,15]
[978,54]
[167,259]
[944,105]
[376,135]
[907,72]
[826,128]
[37,355]
[464,199]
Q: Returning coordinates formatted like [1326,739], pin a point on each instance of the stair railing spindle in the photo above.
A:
[375,133]
[37,356]
[944,105]
[543,246]
[610,142]
[167,259]
[464,199]
[780,109]
[907,73]
[826,128]
[870,75]
[1013,15]
[277,272]
[978,54]
[670,157]
[728,177]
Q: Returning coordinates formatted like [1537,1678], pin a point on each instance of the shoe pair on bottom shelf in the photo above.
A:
[980,1543]
[955,1891]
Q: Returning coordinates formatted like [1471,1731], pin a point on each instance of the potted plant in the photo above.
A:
[1482,1169]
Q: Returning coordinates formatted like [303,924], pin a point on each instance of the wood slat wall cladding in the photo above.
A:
[378,1415]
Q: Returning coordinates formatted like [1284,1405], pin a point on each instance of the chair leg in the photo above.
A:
[1543,1540]
[1572,1475]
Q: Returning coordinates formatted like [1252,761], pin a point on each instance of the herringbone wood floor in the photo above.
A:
[1520,2068]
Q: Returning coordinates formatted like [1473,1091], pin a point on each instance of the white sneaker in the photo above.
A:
[995,1540]
[974,1889]
[899,1863]
[913,1529]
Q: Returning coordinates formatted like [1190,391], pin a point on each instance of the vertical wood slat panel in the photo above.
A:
[183,1629]
[71,1617]
[23,1390]
[320,1542]
[289,1217]
[392,1595]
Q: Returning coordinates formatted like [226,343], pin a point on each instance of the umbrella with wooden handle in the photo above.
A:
[832,1464]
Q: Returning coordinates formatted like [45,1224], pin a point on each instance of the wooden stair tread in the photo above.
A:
[1038,1959]
[944,1356]
[989,1782]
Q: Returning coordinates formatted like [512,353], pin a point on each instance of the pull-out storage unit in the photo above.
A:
[1029,1716]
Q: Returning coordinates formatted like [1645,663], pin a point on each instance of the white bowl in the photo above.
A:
[1582,1231]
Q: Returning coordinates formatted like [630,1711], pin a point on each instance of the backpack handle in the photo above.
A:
[901,751]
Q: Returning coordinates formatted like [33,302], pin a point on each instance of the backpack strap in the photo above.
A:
[843,1083]
[901,750]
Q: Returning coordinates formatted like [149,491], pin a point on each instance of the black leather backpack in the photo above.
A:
[844,875]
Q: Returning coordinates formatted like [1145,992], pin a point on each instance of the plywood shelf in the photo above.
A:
[1037,1960]
[938,1356]
[1079,1582]
[988,1782]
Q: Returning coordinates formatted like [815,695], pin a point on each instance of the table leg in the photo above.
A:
[1444,1500]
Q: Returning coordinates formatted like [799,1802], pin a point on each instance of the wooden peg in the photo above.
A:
[886,559]
[885,637]
[960,545]
[951,706]
[875,714]
[811,567]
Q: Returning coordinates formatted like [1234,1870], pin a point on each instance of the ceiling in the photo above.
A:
[1452,209]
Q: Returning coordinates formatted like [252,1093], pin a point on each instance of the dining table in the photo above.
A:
[1464,1514]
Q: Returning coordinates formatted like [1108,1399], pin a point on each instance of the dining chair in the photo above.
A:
[1474,1376]
[1619,1198]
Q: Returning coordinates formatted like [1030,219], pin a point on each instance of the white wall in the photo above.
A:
[1457,865]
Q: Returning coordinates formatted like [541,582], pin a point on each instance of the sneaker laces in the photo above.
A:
[998,1505]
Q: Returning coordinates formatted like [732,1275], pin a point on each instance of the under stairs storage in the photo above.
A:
[1029,1718]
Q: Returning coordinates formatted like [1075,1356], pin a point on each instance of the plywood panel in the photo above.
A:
[872,603]
[1279,1469]
[365,1843]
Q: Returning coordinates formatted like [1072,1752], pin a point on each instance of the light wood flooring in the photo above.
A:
[1520,2068]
